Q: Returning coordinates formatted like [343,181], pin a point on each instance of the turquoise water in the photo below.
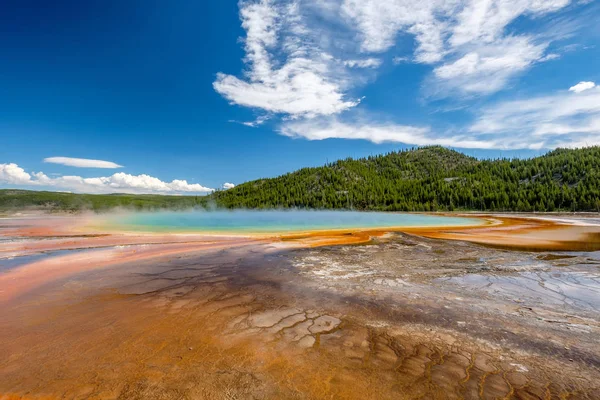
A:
[276,221]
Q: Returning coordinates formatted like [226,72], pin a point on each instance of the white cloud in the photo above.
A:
[486,21]
[364,63]
[563,119]
[488,68]
[380,21]
[260,120]
[300,68]
[581,86]
[307,83]
[13,174]
[375,132]
[81,162]
[439,26]
[399,60]
[303,57]
[550,57]
[466,38]
[257,122]
[228,185]
[117,183]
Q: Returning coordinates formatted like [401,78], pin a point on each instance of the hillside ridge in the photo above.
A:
[431,178]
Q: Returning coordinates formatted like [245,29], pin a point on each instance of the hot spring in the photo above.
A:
[275,221]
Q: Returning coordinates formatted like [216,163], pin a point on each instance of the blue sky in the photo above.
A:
[185,96]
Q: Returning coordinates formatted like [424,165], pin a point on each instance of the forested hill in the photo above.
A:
[423,179]
[432,179]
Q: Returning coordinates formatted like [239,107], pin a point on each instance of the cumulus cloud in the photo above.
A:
[228,185]
[13,174]
[120,182]
[581,86]
[82,162]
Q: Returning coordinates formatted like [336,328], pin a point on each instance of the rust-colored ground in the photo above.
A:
[524,233]
[190,316]
[501,231]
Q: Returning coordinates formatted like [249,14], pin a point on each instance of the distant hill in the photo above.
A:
[423,179]
[11,199]
[433,179]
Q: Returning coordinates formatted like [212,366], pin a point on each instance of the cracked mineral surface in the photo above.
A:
[402,317]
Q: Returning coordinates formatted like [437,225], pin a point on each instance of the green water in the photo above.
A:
[276,221]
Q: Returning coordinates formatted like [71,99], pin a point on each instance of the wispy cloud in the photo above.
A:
[305,57]
[563,119]
[399,60]
[550,57]
[377,132]
[13,174]
[461,38]
[82,162]
[364,63]
[228,185]
[301,70]
[257,122]
[304,83]
[332,128]
[260,120]
[488,68]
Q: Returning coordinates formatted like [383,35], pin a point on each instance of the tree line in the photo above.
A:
[433,179]
[419,179]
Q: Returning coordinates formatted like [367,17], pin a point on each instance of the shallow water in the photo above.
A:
[9,263]
[552,288]
[276,221]
[13,262]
